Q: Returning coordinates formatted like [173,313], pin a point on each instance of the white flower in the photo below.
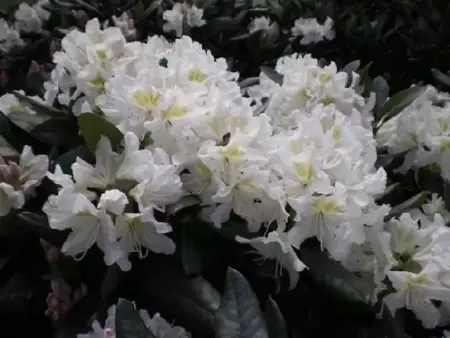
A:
[161,328]
[9,37]
[415,292]
[126,25]
[33,169]
[10,198]
[162,187]
[89,225]
[278,246]
[28,19]
[157,326]
[141,231]
[174,18]
[259,24]
[312,31]
[194,16]
[103,174]
[180,14]
[9,104]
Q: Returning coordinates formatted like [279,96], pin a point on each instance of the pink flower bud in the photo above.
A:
[34,68]
[4,79]
[55,285]
[52,255]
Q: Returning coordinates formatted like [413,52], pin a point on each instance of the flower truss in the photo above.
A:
[294,158]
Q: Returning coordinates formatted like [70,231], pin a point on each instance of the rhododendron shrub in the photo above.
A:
[146,167]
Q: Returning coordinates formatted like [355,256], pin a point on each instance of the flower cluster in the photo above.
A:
[97,205]
[28,19]
[157,326]
[421,132]
[18,181]
[313,32]
[294,158]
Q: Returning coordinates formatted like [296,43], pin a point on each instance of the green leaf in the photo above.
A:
[441,77]
[67,159]
[38,223]
[350,68]
[26,121]
[128,323]
[113,277]
[162,283]
[381,89]
[39,107]
[366,81]
[93,127]
[272,74]
[276,325]
[391,189]
[57,132]
[239,314]
[183,203]
[398,102]
[358,289]
[412,203]
[7,150]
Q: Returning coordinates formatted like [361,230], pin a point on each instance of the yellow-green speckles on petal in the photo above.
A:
[15,107]
[304,97]
[445,145]
[98,82]
[197,75]
[174,112]
[327,101]
[305,171]
[101,54]
[232,152]
[326,206]
[419,280]
[324,78]
[337,134]
[146,99]
[414,138]
[84,213]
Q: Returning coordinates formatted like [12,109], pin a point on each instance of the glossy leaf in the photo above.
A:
[276,326]
[93,127]
[412,203]
[128,323]
[398,102]
[273,75]
[239,314]
[333,276]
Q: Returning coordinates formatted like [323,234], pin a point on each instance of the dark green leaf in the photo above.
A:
[27,121]
[276,325]
[366,80]
[39,107]
[57,132]
[352,67]
[252,81]
[387,192]
[113,277]
[93,127]
[273,75]
[195,254]
[66,160]
[358,289]
[128,323]
[441,77]
[239,314]
[412,203]
[398,102]
[381,89]
[183,203]
[38,223]
[161,283]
